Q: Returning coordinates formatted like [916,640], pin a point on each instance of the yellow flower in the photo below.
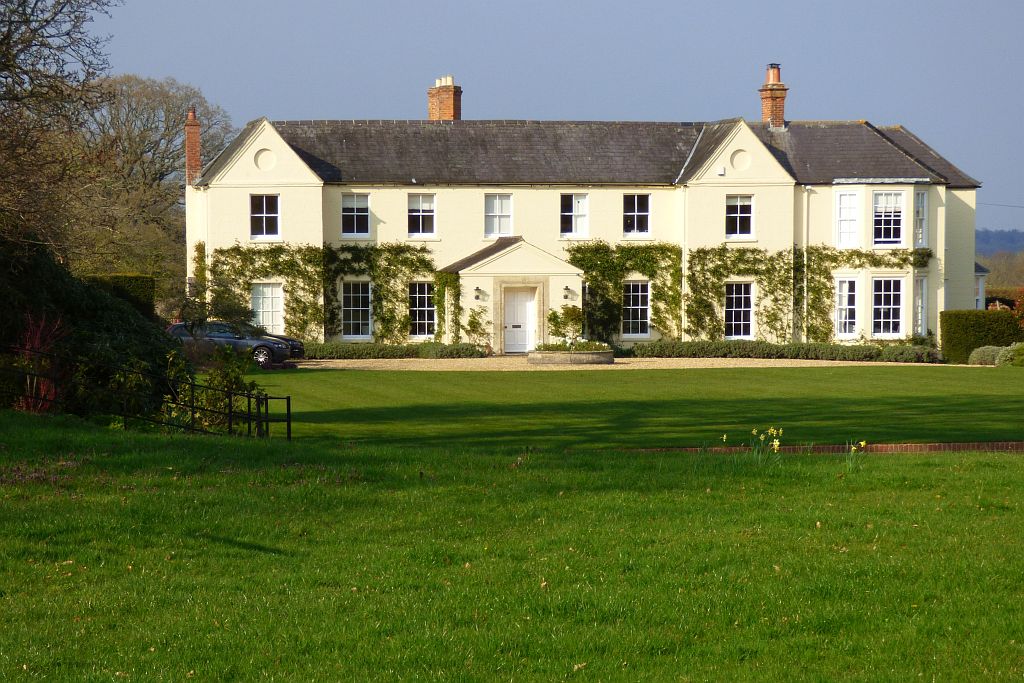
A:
[775,445]
[863,444]
[780,431]
[762,436]
[853,449]
[724,437]
[754,431]
[771,431]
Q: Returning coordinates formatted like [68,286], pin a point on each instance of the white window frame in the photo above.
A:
[920,218]
[264,216]
[267,301]
[879,319]
[730,298]
[920,324]
[575,218]
[420,215]
[848,233]
[846,307]
[357,205]
[896,222]
[422,318]
[735,201]
[631,210]
[636,296]
[368,308]
[493,215]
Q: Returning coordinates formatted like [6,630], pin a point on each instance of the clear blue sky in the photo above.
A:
[951,71]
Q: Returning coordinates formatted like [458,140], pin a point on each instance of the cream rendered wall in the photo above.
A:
[459,216]
[218,214]
[959,248]
[742,166]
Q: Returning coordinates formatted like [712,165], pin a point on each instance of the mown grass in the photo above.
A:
[146,557]
[664,408]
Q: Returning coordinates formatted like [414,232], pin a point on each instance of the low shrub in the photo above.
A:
[796,351]
[578,346]
[345,351]
[964,331]
[909,354]
[984,355]
[1011,355]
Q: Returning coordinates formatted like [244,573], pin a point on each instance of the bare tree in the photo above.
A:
[49,70]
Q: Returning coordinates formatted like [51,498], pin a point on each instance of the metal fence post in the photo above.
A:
[288,410]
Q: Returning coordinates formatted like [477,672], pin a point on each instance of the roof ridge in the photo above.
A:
[905,151]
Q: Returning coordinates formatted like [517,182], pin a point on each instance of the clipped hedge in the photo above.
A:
[964,331]
[347,351]
[137,289]
[793,351]
[984,355]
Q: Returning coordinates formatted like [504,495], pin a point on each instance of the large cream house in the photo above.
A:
[499,202]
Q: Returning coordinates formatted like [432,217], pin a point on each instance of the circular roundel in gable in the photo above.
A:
[265,159]
[740,160]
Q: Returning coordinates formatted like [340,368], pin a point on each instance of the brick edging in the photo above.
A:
[1002,446]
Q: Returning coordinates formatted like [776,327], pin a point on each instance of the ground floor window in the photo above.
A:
[887,301]
[636,311]
[920,306]
[268,307]
[739,310]
[421,309]
[846,307]
[355,309]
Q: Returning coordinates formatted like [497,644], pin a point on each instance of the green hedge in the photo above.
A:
[137,289]
[984,355]
[1011,355]
[964,331]
[794,351]
[344,351]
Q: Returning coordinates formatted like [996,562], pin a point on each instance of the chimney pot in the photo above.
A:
[773,97]
[444,100]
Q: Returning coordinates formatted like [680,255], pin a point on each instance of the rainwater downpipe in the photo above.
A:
[807,238]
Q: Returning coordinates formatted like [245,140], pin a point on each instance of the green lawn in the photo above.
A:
[155,558]
[640,409]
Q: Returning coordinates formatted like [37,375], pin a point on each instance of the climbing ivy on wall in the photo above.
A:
[448,306]
[783,280]
[606,267]
[312,276]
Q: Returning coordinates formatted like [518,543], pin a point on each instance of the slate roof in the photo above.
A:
[590,152]
[980,269]
[493,152]
[499,245]
[819,152]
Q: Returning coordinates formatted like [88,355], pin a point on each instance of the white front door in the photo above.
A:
[519,326]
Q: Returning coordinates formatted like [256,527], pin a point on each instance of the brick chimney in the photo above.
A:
[193,153]
[444,100]
[773,98]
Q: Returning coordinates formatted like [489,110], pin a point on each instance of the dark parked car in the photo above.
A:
[265,349]
[298,349]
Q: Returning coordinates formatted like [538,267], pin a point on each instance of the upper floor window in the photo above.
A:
[888,218]
[421,309]
[636,214]
[739,215]
[636,311]
[739,310]
[355,214]
[921,218]
[497,215]
[847,225]
[421,215]
[574,215]
[263,215]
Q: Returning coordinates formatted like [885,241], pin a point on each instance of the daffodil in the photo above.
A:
[775,445]
[863,444]
[754,431]
[853,449]
[762,437]
[724,437]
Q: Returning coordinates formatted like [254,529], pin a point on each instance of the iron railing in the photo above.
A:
[42,382]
